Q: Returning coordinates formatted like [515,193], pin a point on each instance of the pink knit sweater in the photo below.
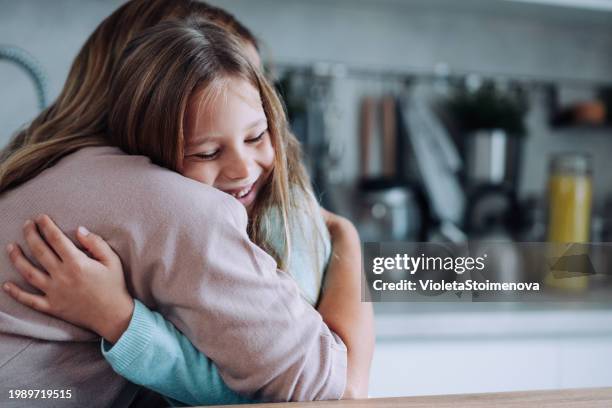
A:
[186,254]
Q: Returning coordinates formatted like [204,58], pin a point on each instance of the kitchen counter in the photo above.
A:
[574,398]
[470,347]
[438,321]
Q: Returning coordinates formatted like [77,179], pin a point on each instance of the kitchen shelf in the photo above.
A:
[335,69]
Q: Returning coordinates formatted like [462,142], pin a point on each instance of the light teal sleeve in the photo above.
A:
[154,354]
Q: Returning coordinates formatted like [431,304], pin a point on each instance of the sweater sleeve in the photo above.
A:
[190,259]
[154,354]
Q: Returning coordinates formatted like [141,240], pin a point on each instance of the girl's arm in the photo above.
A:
[341,306]
[153,353]
[91,293]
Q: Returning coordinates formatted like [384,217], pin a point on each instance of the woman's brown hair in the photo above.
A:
[78,117]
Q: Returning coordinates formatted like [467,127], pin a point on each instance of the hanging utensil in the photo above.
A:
[389,140]
[367,118]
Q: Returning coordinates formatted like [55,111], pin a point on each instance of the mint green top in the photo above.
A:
[154,354]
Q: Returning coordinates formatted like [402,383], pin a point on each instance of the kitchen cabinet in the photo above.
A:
[585,362]
[489,348]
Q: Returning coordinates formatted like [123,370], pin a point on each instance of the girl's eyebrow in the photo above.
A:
[198,141]
[255,123]
[203,139]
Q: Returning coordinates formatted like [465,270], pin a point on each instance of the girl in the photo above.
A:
[231,135]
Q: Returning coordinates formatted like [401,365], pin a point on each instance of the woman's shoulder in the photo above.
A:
[134,183]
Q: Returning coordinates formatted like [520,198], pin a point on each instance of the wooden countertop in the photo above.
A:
[569,398]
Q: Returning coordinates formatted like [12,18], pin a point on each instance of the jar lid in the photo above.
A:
[571,163]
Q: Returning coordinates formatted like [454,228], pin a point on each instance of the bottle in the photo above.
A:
[570,194]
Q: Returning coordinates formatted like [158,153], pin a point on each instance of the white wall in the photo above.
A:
[501,37]
[53,32]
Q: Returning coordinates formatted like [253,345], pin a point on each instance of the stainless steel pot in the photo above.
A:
[492,158]
[390,214]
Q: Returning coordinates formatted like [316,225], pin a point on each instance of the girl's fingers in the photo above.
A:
[34,276]
[36,302]
[56,238]
[96,245]
[39,248]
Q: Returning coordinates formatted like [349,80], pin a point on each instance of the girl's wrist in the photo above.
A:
[113,327]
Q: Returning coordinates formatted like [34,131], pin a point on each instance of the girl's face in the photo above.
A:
[227,144]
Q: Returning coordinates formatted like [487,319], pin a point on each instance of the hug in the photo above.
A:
[161,204]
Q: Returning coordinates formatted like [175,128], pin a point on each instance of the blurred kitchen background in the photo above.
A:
[422,120]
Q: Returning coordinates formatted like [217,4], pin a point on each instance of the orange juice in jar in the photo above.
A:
[570,195]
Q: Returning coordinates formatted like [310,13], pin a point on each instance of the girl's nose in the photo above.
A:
[237,167]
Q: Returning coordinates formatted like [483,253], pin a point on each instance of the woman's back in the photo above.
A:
[39,351]
[186,253]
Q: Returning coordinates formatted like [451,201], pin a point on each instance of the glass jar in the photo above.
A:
[570,195]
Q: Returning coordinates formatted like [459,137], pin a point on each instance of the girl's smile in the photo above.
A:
[247,193]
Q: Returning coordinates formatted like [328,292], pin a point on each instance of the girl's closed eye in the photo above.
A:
[257,138]
[213,154]
[209,155]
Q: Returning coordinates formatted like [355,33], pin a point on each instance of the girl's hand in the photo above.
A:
[87,291]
